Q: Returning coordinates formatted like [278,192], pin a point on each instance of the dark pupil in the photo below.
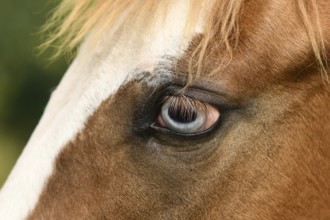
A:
[182,114]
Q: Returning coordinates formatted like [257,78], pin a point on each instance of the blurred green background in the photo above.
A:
[26,79]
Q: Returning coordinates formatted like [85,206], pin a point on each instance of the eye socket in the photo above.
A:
[185,115]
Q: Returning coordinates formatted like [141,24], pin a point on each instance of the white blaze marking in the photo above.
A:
[93,77]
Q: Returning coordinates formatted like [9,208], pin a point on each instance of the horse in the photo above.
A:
[182,109]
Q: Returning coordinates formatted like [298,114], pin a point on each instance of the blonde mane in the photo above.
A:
[74,19]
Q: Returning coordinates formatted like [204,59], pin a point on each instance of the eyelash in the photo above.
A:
[183,103]
[186,116]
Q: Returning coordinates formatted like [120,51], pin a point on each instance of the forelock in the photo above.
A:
[73,20]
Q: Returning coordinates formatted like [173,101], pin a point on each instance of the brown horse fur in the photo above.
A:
[269,160]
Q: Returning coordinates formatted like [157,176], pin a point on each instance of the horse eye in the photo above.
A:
[186,115]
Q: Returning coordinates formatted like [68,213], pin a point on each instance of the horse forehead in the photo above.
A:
[95,75]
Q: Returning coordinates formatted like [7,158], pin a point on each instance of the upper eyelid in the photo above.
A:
[180,80]
[217,99]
